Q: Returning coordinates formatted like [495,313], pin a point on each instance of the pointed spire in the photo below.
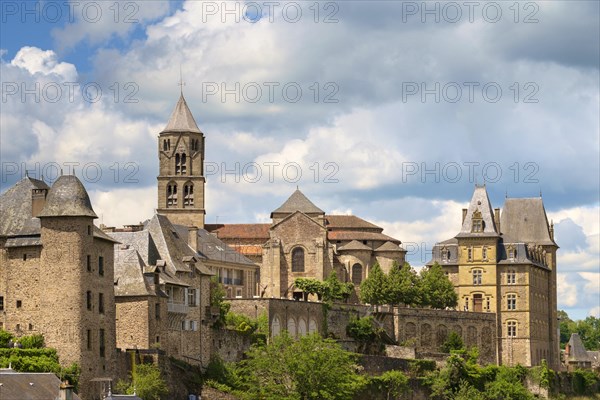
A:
[181,119]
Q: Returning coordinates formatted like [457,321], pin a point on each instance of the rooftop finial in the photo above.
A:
[540,192]
[181,82]
[506,194]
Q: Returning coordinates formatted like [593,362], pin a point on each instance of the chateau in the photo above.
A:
[96,292]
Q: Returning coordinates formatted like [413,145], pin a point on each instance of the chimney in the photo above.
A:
[497,219]
[38,200]
[193,238]
[464,215]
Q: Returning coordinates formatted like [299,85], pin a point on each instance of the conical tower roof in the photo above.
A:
[181,119]
[298,202]
[68,198]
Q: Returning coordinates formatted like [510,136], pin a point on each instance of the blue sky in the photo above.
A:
[389,110]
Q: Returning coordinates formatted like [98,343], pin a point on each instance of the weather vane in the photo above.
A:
[181,82]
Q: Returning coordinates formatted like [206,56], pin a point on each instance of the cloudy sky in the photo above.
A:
[388,110]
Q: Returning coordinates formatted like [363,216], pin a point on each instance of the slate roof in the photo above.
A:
[298,202]
[67,198]
[170,246]
[129,273]
[240,231]
[349,222]
[212,248]
[29,385]
[354,245]
[389,246]
[181,119]
[15,205]
[525,220]
[479,202]
[577,352]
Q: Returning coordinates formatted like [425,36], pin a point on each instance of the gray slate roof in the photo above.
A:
[15,205]
[298,202]
[129,274]
[479,202]
[181,119]
[29,385]
[389,246]
[354,245]
[211,248]
[67,197]
[524,220]
[577,350]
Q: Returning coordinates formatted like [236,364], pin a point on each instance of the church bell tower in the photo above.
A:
[181,162]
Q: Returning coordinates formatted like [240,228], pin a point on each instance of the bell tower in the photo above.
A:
[181,163]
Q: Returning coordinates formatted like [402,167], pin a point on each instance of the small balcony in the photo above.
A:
[177,308]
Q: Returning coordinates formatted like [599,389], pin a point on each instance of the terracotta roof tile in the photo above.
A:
[240,231]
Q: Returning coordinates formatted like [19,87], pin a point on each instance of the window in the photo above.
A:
[19,303]
[298,260]
[477,225]
[511,277]
[511,328]
[89,339]
[89,230]
[30,327]
[511,301]
[512,254]
[101,266]
[484,253]
[89,263]
[188,195]
[171,194]
[238,293]
[1,303]
[101,342]
[180,164]
[357,274]
[157,311]
[477,273]
[470,254]
[192,297]
[24,257]
[445,255]
[100,303]
[183,164]
[89,300]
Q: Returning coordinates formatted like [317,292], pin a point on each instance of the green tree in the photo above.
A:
[375,289]
[567,327]
[362,330]
[453,342]
[436,289]
[310,368]
[334,289]
[589,330]
[404,285]
[393,383]
[217,299]
[146,382]
[310,286]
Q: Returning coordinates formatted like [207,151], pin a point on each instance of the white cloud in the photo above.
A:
[126,206]
[38,61]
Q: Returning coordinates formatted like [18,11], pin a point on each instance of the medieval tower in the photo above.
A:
[181,162]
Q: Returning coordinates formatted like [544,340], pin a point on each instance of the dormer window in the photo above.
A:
[477,222]
[445,255]
[512,254]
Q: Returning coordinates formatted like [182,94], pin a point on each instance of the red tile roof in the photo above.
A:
[239,231]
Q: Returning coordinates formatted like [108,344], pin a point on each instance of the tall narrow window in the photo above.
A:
[511,301]
[89,263]
[188,195]
[477,273]
[164,144]
[101,266]
[101,342]
[101,303]
[89,339]
[511,328]
[470,254]
[172,195]
[357,274]
[157,311]
[298,260]
[177,164]
[484,253]
[88,296]
[1,303]
[183,164]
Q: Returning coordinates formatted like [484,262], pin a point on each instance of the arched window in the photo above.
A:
[183,164]
[275,326]
[357,274]
[291,327]
[165,145]
[301,327]
[298,260]
[188,195]
[172,195]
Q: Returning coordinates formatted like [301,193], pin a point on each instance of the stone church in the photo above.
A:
[504,262]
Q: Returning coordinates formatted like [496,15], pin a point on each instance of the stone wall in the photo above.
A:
[230,345]
[428,329]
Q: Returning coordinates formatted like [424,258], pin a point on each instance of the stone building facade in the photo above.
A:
[56,274]
[505,263]
[302,241]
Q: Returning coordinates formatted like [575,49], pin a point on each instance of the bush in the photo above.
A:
[362,330]
[453,342]
[32,342]
[584,381]
[5,338]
